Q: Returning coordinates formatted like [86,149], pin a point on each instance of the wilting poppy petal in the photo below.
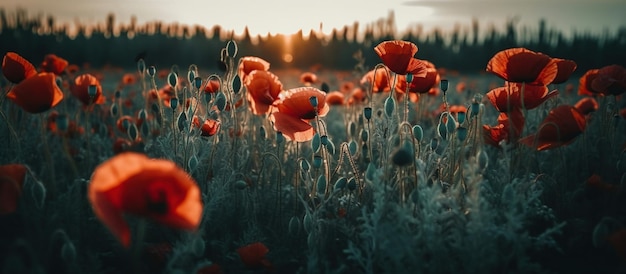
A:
[253,255]
[565,69]
[297,102]
[397,55]
[153,188]
[263,89]
[11,184]
[37,93]
[292,128]
[54,64]
[587,105]
[520,65]
[584,83]
[610,80]
[15,68]
[247,64]
[562,125]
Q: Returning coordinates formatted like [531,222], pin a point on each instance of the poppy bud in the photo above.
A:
[367,112]
[313,101]
[198,246]
[324,140]
[174,103]
[151,71]
[461,133]
[450,124]
[191,75]
[92,90]
[197,82]
[434,144]
[321,184]
[141,66]
[475,109]
[325,88]
[241,184]
[62,122]
[364,135]
[279,137]
[341,183]
[352,147]
[220,101]
[316,143]
[231,48]
[317,161]
[294,226]
[182,119]
[142,115]
[145,129]
[482,159]
[207,97]
[390,106]
[236,84]
[352,128]
[304,165]
[172,79]
[418,132]
[330,146]
[443,85]
[132,131]
[460,116]
[193,162]
[307,221]
[442,130]
[68,251]
[352,184]
[409,78]
[118,94]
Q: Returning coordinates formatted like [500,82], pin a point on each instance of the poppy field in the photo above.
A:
[402,167]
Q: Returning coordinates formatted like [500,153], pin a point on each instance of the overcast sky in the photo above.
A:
[288,16]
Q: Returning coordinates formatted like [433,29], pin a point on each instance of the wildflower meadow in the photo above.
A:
[394,165]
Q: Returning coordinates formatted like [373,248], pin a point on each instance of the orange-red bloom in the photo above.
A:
[509,128]
[263,89]
[212,86]
[253,255]
[54,64]
[398,56]
[520,65]
[208,128]
[80,89]
[565,68]
[423,84]
[562,125]
[611,80]
[379,79]
[335,98]
[510,96]
[584,83]
[11,184]
[15,68]
[247,64]
[153,188]
[37,93]
[308,78]
[294,111]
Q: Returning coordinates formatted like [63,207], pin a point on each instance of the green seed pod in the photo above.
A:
[341,183]
[174,103]
[364,135]
[324,140]
[443,85]
[132,131]
[316,143]
[330,146]
[403,155]
[352,128]
[68,251]
[294,226]
[352,184]
[317,161]
[114,110]
[231,48]
[321,184]
[193,162]
[198,246]
[182,121]
[450,124]
[241,184]
[141,66]
[236,84]
[352,147]
[172,79]
[191,75]
[307,222]
[461,117]
[151,71]
[461,133]
[220,101]
[367,113]
[304,165]
[197,82]
[482,159]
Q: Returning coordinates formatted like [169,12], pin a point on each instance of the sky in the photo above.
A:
[289,16]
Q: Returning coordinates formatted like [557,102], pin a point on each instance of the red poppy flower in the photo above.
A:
[294,111]
[509,128]
[153,188]
[208,128]
[15,68]
[263,89]
[562,125]
[11,184]
[54,64]
[565,68]
[247,64]
[586,105]
[72,69]
[520,65]
[622,112]
[398,56]
[123,123]
[510,96]
[584,83]
[379,79]
[80,89]
[610,80]
[595,182]
[253,255]
[37,93]
[423,84]
[356,96]
[212,86]
[308,78]
[129,79]
[335,98]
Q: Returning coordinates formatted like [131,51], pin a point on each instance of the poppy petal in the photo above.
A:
[37,93]
[15,68]
[291,127]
